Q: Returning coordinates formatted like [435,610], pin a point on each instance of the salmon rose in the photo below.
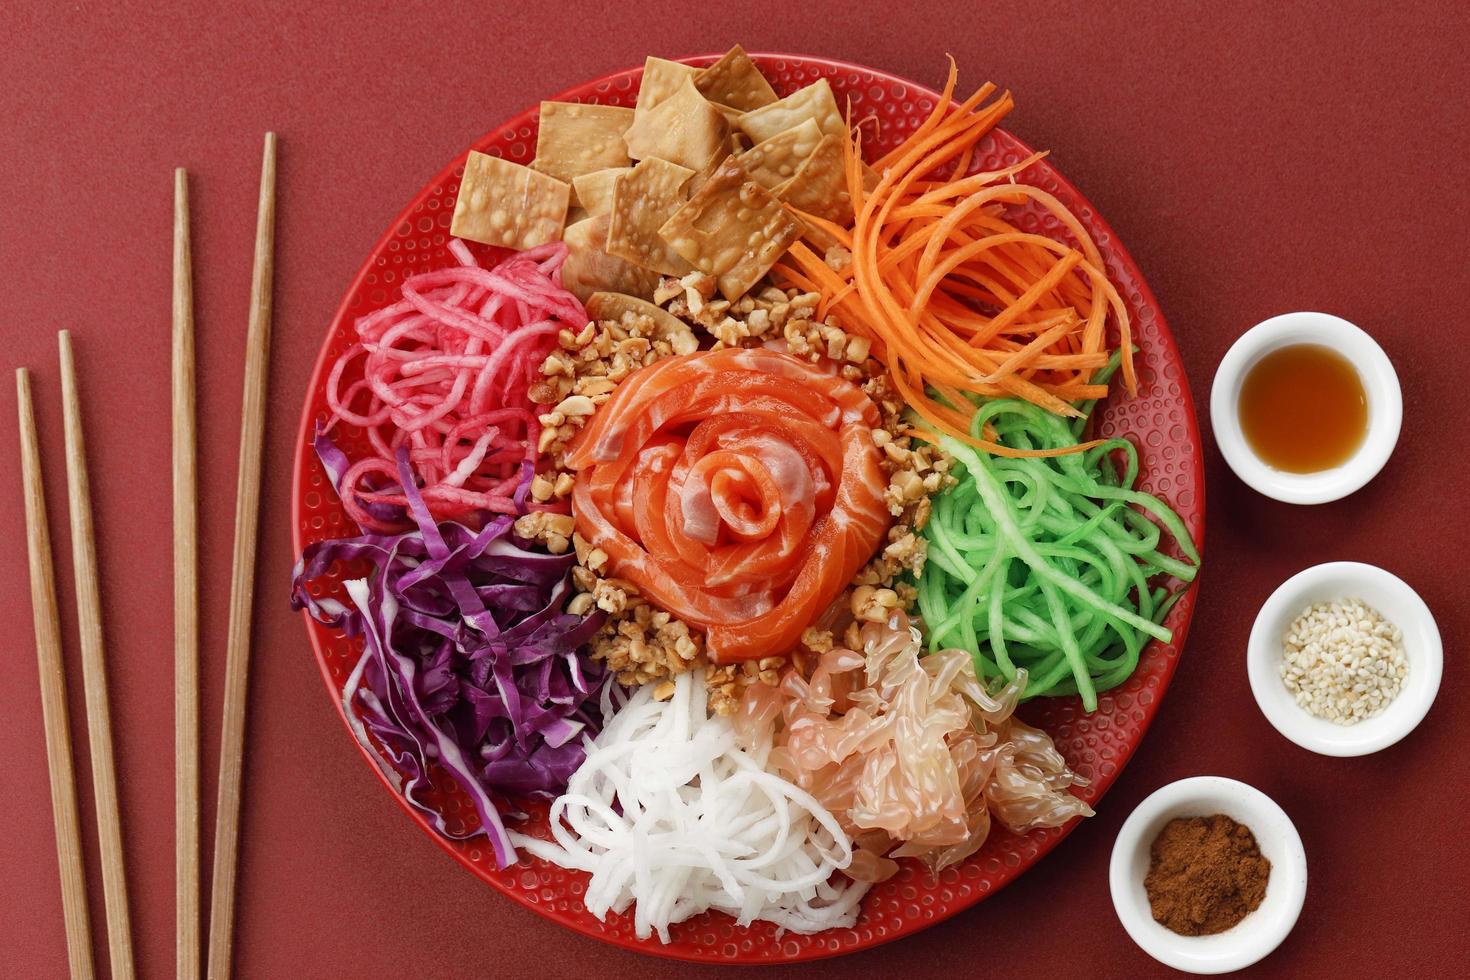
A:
[738,489]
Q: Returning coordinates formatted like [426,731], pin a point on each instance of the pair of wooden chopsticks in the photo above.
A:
[94,680]
[186,628]
[242,585]
[53,699]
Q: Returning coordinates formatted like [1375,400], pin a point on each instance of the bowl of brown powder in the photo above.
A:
[1208,875]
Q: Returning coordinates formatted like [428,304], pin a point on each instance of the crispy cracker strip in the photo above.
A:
[685,128]
[775,161]
[733,229]
[576,139]
[819,186]
[595,190]
[815,102]
[736,82]
[643,199]
[589,269]
[504,203]
[661,79]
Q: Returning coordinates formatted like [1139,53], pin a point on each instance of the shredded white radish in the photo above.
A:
[670,815]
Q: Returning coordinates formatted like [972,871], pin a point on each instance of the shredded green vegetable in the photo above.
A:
[1046,563]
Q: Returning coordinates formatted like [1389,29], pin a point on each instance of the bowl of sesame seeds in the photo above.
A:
[1345,659]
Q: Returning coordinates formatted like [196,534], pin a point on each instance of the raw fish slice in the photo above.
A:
[842,543]
[630,561]
[740,489]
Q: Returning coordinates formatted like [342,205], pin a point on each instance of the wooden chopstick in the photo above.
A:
[53,695]
[94,673]
[186,601]
[242,575]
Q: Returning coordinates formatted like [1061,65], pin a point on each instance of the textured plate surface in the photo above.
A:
[1161,421]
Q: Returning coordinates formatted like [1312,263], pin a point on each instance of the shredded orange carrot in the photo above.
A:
[956,299]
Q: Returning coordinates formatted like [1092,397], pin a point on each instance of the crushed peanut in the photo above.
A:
[639,642]
[552,530]
[817,641]
[585,370]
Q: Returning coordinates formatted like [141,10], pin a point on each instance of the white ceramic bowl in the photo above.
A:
[1380,384]
[1392,597]
[1259,932]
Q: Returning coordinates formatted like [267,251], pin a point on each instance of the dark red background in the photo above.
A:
[1254,161]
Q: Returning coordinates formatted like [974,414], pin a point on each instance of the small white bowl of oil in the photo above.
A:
[1306,407]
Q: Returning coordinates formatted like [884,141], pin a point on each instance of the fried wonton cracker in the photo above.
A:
[733,229]
[661,79]
[815,102]
[576,139]
[736,82]
[685,128]
[727,149]
[589,270]
[819,186]
[776,160]
[506,204]
[732,116]
[643,199]
[595,190]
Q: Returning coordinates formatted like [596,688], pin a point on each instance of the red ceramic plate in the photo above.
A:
[1160,421]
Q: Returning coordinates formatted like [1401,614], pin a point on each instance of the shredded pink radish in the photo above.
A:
[446,370]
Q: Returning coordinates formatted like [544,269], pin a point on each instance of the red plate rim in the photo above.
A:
[1179,618]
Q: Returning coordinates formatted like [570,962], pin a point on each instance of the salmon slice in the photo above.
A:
[738,489]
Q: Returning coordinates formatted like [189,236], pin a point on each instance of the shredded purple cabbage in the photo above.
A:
[470,659]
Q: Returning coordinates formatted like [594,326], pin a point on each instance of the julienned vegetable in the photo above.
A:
[958,299]
[445,372]
[1046,562]
[673,816]
[469,658]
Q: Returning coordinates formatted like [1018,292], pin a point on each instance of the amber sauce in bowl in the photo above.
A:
[1306,407]
[1303,408]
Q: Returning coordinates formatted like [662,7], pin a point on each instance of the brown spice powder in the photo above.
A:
[1205,874]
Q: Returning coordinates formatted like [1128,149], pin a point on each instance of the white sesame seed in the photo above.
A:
[1342,661]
